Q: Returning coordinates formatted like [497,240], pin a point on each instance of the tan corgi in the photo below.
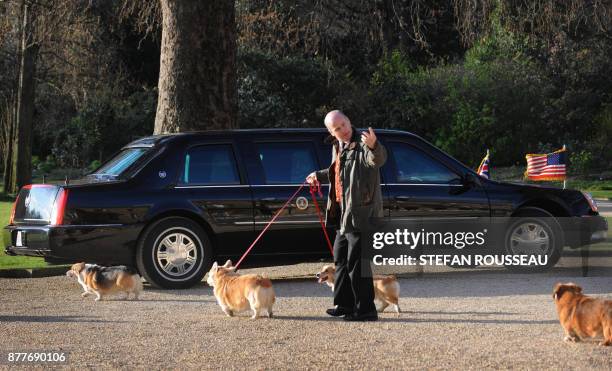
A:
[386,288]
[99,280]
[582,316]
[236,293]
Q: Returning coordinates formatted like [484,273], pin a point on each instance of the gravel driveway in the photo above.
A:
[455,319]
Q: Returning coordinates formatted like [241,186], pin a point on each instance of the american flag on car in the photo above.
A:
[549,166]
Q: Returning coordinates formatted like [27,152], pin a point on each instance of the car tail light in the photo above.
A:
[57,216]
[591,201]
[13,211]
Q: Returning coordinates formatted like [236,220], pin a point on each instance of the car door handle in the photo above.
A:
[403,198]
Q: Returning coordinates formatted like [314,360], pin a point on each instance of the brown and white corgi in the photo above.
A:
[99,280]
[582,316]
[236,293]
[386,288]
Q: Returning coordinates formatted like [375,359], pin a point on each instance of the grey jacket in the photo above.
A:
[360,178]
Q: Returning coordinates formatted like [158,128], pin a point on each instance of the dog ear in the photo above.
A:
[227,264]
[214,266]
[557,291]
[575,288]
[562,288]
[77,267]
[578,289]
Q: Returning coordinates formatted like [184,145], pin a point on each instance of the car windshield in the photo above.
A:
[118,164]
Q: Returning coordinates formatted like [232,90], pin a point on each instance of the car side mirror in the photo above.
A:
[470,179]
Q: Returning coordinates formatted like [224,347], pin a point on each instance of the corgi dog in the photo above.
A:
[236,293]
[99,280]
[386,288]
[582,316]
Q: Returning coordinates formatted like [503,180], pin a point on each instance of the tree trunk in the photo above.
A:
[22,148]
[8,127]
[197,77]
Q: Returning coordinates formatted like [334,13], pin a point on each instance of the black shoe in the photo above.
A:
[338,311]
[364,317]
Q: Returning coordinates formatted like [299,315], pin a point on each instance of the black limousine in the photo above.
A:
[171,204]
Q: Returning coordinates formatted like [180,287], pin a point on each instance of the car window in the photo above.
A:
[210,164]
[414,166]
[287,163]
[123,160]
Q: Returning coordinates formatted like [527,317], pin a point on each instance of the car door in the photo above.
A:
[424,185]
[215,182]
[278,167]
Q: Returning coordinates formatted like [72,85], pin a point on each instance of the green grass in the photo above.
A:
[601,194]
[6,261]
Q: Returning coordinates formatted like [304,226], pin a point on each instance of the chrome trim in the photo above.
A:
[86,225]
[288,222]
[297,185]
[422,184]
[214,186]
[278,185]
[238,185]
[429,218]
[279,222]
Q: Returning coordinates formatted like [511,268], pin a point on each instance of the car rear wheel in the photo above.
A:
[534,232]
[174,253]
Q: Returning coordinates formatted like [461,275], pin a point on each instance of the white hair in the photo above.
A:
[329,118]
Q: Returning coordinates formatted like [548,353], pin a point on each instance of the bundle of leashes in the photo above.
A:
[315,189]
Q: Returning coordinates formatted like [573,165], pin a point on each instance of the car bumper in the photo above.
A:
[586,230]
[111,243]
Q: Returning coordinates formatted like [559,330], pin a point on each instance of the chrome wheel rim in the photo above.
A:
[529,238]
[176,254]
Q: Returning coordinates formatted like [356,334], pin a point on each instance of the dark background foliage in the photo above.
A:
[496,76]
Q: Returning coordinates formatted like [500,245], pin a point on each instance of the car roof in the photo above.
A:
[154,140]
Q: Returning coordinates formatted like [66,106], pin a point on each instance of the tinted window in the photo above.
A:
[121,161]
[287,163]
[210,164]
[415,166]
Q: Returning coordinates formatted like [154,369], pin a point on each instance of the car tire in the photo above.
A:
[536,230]
[174,253]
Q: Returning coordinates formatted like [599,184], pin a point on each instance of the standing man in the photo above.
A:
[354,197]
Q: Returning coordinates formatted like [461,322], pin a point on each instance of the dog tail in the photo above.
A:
[388,279]
[264,281]
[96,275]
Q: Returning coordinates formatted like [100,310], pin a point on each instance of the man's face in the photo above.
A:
[340,129]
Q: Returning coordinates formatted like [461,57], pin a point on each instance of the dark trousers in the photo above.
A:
[351,290]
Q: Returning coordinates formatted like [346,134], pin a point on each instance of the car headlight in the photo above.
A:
[591,201]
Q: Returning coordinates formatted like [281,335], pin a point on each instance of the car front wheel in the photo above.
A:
[174,253]
[534,232]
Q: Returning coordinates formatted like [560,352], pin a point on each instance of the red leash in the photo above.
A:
[314,200]
[313,189]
